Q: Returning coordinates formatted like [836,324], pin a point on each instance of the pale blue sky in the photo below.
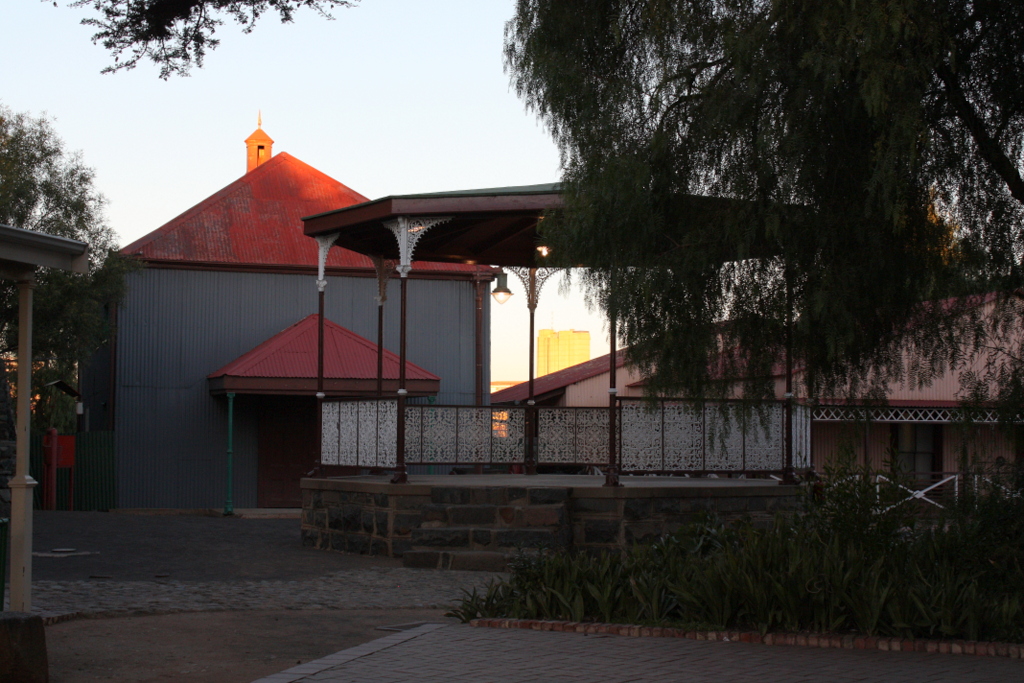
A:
[392,97]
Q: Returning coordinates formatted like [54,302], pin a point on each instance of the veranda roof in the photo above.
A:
[491,226]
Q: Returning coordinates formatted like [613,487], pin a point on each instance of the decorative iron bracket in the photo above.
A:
[533,280]
[384,267]
[324,244]
[408,230]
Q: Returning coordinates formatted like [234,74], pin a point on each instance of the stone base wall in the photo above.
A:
[361,515]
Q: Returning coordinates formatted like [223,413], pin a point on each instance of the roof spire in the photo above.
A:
[258,146]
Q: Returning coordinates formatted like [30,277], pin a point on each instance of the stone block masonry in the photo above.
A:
[439,521]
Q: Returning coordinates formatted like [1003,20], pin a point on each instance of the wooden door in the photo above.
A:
[287,449]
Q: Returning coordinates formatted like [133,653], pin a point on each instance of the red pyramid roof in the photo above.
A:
[257,221]
[292,353]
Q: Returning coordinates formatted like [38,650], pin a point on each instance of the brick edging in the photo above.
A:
[847,642]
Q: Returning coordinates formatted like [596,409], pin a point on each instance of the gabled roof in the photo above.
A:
[257,221]
[558,380]
[287,363]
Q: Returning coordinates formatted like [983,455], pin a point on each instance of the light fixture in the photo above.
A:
[501,292]
[544,251]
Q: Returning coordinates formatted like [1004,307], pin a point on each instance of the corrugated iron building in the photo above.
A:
[224,277]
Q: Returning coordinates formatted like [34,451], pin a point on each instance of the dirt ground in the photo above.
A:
[210,647]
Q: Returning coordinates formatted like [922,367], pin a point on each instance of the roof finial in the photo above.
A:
[259,118]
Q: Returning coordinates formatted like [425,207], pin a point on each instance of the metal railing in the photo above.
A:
[661,437]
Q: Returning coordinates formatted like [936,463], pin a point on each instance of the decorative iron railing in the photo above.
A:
[666,436]
[919,414]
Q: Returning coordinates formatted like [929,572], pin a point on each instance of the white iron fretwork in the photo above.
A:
[384,267]
[324,244]
[408,230]
[902,414]
[533,280]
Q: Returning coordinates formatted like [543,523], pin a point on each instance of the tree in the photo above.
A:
[175,34]
[757,177]
[47,189]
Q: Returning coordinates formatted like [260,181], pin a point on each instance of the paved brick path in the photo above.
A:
[380,588]
[463,654]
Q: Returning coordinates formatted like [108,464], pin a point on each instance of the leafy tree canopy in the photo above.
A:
[175,34]
[757,175]
[45,188]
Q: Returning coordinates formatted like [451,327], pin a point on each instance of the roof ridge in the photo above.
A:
[225,193]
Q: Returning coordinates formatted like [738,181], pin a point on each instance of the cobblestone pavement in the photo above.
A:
[378,588]
[460,653]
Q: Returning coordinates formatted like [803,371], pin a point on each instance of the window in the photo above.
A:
[918,448]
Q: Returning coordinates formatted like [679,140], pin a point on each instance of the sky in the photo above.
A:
[392,97]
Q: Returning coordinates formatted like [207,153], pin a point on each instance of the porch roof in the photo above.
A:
[491,226]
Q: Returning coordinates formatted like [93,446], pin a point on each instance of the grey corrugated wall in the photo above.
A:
[177,326]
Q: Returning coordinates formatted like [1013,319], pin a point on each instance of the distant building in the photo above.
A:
[498,385]
[559,350]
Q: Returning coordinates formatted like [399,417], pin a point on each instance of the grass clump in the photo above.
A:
[859,558]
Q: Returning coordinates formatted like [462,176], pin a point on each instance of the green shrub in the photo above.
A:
[860,558]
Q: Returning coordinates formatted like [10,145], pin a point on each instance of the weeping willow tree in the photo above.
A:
[757,177]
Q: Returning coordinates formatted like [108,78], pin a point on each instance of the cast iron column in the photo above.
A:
[612,476]
[400,474]
[229,504]
[21,484]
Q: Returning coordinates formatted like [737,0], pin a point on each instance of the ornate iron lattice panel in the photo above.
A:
[348,433]
[556,435]
[592,436]
[366,435]
[641,438]
[723,437]
[507,435]
[474,435]
[440,434]
[764,443]
[387,428]
[801,437]
[413,433]
[329,434]
[684,436]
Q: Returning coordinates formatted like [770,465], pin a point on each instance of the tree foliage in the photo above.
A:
[757,175]
[175,34]
[45,188]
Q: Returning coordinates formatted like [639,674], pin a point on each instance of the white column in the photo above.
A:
[22,484]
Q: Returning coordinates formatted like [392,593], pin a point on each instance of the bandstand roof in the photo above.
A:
[491,226]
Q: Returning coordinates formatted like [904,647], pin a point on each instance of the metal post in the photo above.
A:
[400,474]
[479,348]
[789,476]
[22,484]
[229,505]
[531,410]
[380,348]
[611,478]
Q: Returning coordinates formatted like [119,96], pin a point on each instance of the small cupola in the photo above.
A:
[258,146]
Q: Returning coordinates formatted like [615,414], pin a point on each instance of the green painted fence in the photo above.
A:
[95,472]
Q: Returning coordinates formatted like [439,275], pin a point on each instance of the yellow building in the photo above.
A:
[559,350]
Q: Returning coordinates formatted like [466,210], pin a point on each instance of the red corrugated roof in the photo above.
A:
[257,220]
[558,380]
[292,353]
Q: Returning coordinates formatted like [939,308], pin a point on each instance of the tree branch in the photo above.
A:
[987,146]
